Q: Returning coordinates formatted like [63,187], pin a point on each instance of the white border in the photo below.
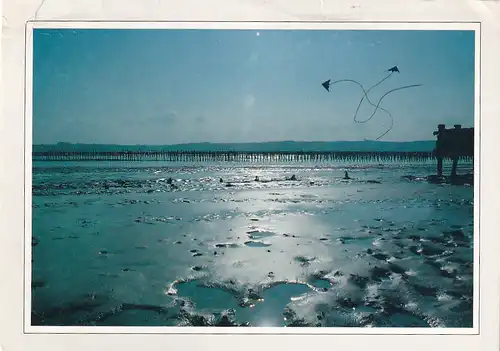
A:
[261,25]
[243,25]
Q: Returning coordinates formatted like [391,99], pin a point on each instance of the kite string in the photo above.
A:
[365,94]
[376,106]
[367,98]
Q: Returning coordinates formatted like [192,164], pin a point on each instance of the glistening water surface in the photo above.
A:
[115,244]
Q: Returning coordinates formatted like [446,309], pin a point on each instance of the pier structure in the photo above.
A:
[237,156]
[454,143]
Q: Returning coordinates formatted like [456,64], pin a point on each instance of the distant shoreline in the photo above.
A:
[275,146]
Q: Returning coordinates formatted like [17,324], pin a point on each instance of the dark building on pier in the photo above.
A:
[453,143]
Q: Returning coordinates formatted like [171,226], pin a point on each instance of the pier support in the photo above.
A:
[440,166]
[439,155]
[455,157]
[454,167]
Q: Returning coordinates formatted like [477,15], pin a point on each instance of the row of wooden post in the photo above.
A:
[235,156]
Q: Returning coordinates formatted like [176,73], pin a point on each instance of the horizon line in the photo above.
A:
[239,142]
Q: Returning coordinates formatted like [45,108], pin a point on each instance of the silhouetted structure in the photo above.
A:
[454,144]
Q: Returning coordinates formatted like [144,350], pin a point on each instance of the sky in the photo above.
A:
[165,86]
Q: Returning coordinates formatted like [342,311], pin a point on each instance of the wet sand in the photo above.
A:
[120,246]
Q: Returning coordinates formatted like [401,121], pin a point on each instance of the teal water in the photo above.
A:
[116,244]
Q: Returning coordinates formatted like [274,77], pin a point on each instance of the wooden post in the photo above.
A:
[454,167]
[439,156]
[455,157]
[439,166]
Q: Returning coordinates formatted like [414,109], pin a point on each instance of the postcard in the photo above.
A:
[193,178]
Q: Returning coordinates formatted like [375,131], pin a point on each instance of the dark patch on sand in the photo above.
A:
[227,245]
[253,243]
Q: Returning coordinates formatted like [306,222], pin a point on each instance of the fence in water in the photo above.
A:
[236,156]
